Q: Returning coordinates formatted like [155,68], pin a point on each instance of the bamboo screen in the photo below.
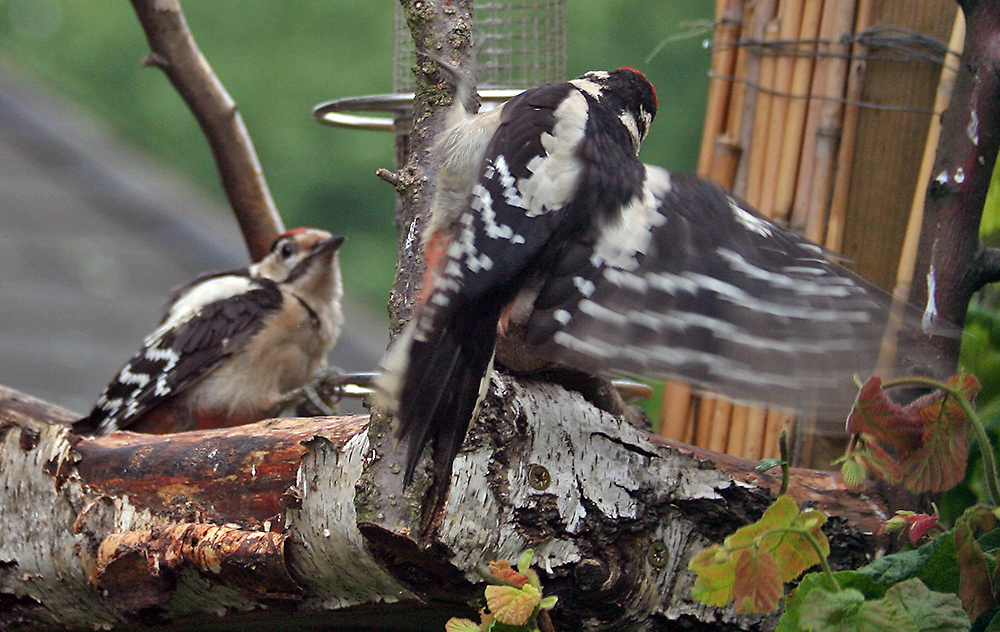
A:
[819,112]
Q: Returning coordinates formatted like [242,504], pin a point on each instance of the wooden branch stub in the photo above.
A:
[988,265]
[25,411]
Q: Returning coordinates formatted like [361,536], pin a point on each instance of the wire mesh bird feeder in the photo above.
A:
[518,44]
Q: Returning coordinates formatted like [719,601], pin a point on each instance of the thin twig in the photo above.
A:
[174,50]
[389,176]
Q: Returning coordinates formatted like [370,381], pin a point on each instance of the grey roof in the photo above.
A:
[93,235]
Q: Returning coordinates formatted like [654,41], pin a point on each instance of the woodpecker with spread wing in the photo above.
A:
[232,344]
[545,217]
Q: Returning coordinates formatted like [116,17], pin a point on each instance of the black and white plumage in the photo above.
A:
[612,267]
[231,344]
[507,192]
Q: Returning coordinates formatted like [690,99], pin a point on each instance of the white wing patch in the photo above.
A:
[555,175]
[589,86]
[188,305]
[620,244]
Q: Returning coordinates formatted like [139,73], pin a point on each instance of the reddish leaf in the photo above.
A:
[772,533]
[975,587]
[916,525]
[939,463]
[757,588]
[501,569]
[924,445]
[878,460]
[920,524]
[876,415]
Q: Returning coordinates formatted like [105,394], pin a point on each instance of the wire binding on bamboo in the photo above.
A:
[785,96]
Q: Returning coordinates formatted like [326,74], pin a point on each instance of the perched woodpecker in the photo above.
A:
[231,344]
[545,218]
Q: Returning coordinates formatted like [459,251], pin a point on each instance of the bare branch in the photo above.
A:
[946,275]
[175,52]
[987,266]
[389,176]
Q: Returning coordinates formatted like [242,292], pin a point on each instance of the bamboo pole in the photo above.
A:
[675,410]
[736,442]
[759,140]
[849,127]
[791,18]
[776,422]
[721,421]
[759,16]
[738,101]
[704,420]
[728,15]
[756,424]
[813,195]
[798,103]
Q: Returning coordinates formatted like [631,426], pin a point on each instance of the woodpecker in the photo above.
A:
[231,344]
[545,218]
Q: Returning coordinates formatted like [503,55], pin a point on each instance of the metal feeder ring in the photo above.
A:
[337,112]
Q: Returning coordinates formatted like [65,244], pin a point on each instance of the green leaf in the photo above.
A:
[760,557]
[935,563]
[831,611]
[498,626]
[906,607]
[854,473]
[455,624]
[847,579]
[524,561]
[930,611]
[715,570]
[511,605]
[766,464]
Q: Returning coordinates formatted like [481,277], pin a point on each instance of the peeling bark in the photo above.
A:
[279,521]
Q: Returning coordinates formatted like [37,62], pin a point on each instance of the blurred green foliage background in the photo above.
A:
[280,59]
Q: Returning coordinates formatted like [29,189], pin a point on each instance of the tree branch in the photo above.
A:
[444,28]
[987,265]
[947,269]
[173,49]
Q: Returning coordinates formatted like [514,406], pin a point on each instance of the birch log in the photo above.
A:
[280,521]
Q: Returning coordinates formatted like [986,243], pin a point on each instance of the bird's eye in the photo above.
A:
[287,249]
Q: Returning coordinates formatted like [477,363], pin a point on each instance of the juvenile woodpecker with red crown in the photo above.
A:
[232,344]
[545,217]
